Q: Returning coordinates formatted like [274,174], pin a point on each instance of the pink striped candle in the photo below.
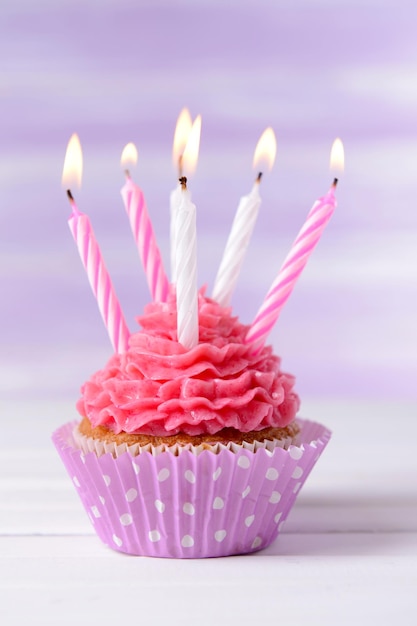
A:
[144,236]
[99,278]
[142,230]
[291,269]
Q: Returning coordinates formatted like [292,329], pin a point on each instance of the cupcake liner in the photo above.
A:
[191,505]
[100,447]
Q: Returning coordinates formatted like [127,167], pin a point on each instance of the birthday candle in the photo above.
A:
[92,259]
[143,232]
[186,264]
[186,251]
[243,225]
[300,252]
[181,135]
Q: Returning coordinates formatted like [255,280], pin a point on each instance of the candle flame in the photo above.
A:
[190,154]
[182,132]
[265,151]
[129,155]
[337,157]
[73,164]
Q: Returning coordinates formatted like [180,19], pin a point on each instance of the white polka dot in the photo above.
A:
[117,540]
[249,520]
[163,474]
[159,505]
[271,474]
[126,519]
[256,542]
[154,535]
[95,511]
[219,535]
[188,508]
[296,488]
[75,481]
[243,462]
[187,541]
[106,479]
[136,468]
[298,472]
[246,492]
[217,473]
[131,494]
[281,526]
[218,503]
[295,453]
[313,444]
[102,500]
[189,475]
[275,497]
[277,517]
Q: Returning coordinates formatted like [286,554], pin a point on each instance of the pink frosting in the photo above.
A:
[159,388]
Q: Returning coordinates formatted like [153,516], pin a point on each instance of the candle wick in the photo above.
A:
[258,178]
[183,181]
[335,181]
[72,202]
[127,174]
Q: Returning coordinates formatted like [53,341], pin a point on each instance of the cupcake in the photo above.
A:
[189,453]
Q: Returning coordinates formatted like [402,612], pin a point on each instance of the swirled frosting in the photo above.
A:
[159,388]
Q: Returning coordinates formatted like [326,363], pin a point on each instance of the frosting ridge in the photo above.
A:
[157,387]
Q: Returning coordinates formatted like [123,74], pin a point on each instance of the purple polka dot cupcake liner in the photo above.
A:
[191,505]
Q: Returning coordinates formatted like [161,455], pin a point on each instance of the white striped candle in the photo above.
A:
[186,269]
[243,224]
[183,129]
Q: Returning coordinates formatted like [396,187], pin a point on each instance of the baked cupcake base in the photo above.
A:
[191,505]
[101,440]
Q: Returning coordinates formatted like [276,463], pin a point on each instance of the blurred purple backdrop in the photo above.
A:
[117,71]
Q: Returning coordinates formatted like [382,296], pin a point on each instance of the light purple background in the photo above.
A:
[119,71]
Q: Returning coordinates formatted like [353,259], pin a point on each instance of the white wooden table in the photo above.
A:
[348,554]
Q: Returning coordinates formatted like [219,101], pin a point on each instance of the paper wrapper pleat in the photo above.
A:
[191,505]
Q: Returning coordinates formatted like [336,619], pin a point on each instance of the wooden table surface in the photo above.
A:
[347,555]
